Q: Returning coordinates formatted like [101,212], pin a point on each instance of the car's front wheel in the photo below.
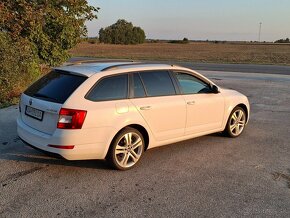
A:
[126,149]
[236,122]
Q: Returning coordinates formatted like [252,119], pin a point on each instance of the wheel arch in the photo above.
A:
[138,127]
[245,108]
[231,108]
[143,131]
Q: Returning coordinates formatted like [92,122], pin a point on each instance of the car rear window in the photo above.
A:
[55,86]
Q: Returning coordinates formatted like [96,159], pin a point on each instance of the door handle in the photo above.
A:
[145,108]
[191,102]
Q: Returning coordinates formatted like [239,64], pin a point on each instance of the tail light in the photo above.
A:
[71,119]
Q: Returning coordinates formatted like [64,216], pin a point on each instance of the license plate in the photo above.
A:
[34,113]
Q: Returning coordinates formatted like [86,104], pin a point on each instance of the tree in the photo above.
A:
[122,32]
[34,32]
[287,40]
[52,27]
[18,67]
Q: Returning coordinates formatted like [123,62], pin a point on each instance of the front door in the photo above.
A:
[205,109]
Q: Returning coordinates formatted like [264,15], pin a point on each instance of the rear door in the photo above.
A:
[41,102]
[154,96]
[205,109]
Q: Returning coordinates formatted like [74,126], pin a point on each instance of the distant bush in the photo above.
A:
[93,40]
[122,32]
[184,41]
[153,41]
[19,66]
[287,40]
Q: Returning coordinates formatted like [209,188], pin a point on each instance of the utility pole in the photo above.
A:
[260,29]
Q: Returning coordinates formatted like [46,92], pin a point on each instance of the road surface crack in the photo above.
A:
[277,176]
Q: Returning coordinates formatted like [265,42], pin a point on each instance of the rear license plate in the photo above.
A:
[34,113]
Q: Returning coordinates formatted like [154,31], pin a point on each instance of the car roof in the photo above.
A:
[89,69]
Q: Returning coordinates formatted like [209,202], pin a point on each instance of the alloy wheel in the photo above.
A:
[128,150]
[237,122]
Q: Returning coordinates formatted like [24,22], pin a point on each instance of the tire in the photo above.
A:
[126,149]
[236,123]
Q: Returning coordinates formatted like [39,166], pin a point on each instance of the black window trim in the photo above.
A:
[67,72]
[174,72]
[109,76]
[132,85]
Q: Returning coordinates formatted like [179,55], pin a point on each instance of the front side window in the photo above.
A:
[192,85]
[110,88]
[157,83]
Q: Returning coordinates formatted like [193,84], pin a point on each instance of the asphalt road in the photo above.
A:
[210,176]
[244,68]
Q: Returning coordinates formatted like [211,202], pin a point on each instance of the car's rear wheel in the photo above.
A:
[126,149]
[236,122]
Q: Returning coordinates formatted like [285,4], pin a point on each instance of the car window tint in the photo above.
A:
[158,83]
[111,88]
[192,85]
[55,86]
[139,91]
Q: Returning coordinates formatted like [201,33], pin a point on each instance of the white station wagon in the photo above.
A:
[116,111]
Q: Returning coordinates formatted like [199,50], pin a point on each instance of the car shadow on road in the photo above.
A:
[93,164]
[32,156]
[27,154]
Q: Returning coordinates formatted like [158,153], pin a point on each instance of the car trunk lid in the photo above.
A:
[39,114]
[41,102]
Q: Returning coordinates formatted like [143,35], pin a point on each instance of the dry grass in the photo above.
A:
[194,52]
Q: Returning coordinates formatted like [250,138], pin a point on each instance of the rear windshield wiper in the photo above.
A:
[46,97]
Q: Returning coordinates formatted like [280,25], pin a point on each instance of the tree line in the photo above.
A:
[287,40]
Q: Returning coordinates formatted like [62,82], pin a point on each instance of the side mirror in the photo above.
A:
[215,89]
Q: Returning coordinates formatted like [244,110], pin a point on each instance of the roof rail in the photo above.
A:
[130,64]
[122,65]
[98,61]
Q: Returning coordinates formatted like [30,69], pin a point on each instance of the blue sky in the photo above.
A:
[198,19]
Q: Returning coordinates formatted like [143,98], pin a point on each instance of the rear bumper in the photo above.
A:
[43,151]
[84,146]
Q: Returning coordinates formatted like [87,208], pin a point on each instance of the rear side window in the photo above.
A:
[110,88]
[158,83]
[56,86]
